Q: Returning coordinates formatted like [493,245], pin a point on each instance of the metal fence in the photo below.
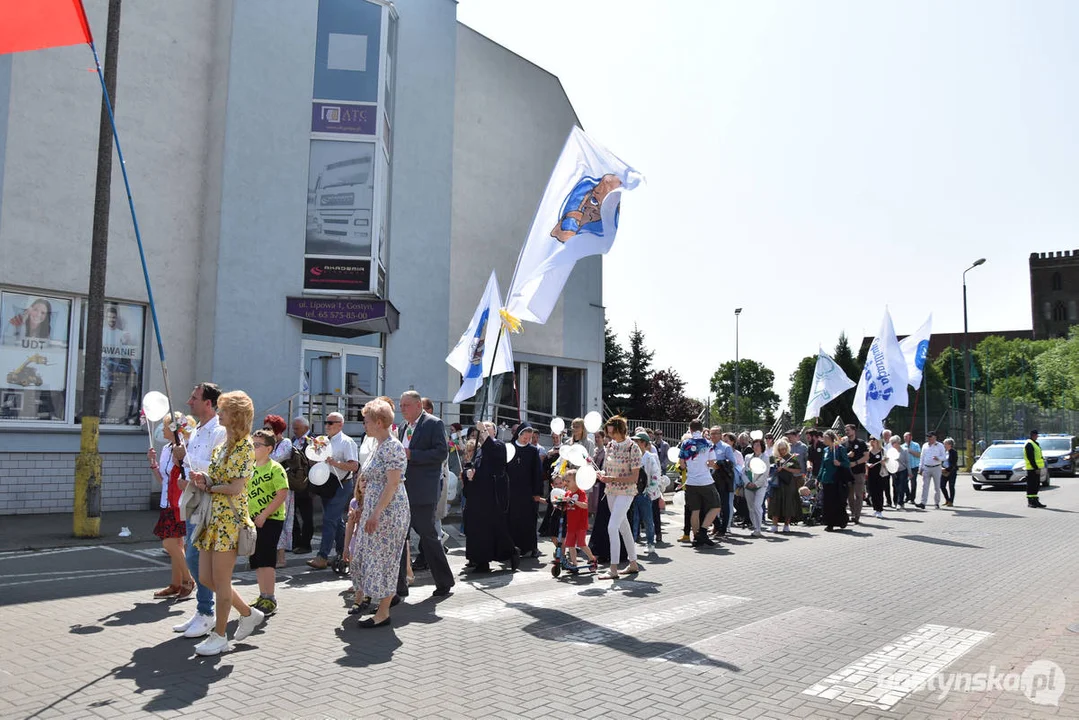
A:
[1006,419]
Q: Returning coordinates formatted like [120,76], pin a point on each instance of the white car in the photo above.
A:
[1002,464]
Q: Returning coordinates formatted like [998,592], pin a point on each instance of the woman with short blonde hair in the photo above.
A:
[231,468]
[383,525]
[785,503]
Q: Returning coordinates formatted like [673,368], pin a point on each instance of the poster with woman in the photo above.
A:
[33,356]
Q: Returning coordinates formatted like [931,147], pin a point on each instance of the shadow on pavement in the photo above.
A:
[173,668]
[940,541]
[366,647]
[142,613]
[548,618]
[985,514]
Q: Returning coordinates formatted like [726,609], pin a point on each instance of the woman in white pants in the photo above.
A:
[756,486]
[620,469]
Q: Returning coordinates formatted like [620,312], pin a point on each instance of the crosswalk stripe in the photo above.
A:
[742,645]
[638,619]
[888,674]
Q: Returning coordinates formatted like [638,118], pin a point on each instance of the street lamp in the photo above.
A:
[966,364]
[737,313]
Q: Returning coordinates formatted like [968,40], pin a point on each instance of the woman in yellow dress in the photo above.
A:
[232,465]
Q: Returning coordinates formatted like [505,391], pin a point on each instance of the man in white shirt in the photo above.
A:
[698,458]
[343,461]
[196,456]
[933,455]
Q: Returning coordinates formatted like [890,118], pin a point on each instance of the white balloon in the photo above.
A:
[756,435]
[451,487]
[891,453]
[155,405]
[511,451]
[318,474]
[565,452]
[557,494]
[892,465]
[577,455]
[320,454]
[586,477]
[593,421]
[672,454]
[558,425]
[680,497]
[758,466]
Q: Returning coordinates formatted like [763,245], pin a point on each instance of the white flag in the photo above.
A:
[474,355]
[916,349]
[829,382]
[883,384]
[577,217]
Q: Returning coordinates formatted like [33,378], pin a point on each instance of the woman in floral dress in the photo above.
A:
[230,470]
[385,519]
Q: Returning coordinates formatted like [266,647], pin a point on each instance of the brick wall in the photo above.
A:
[39,483]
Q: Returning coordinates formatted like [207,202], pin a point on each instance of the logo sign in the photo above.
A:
[338,274]
[344,118]
[921,354]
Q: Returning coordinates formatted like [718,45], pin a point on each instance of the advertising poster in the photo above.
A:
[340,199]
[347,49]
[342,275]
[33,356]
[121,363]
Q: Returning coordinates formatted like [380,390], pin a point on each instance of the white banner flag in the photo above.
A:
[577,217]
[829,382]
[916,350]
[474,355]
[883,384]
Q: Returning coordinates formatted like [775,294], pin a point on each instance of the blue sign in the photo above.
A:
[347,50]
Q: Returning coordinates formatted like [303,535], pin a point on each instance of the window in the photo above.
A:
[121,364]
[34,353]
[541,389]
[570,392]
[1059,313]
[1057,284]
[1073,312]
[39,365]
[1047,311]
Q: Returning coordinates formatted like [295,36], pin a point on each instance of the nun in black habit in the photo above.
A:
[486,504]
[525,473]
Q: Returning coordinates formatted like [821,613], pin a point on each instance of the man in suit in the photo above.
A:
[424,438]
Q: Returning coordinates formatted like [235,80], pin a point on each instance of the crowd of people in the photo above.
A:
[230,490]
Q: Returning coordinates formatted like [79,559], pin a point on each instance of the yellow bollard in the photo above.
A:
[87,514]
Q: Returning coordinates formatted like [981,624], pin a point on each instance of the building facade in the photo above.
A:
[323,188]
[1054,292]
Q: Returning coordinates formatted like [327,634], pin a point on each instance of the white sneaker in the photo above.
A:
[248,624]
[200,625]
[182,627]
[775,528]
[651,549]
[878,515]
[213,645]
[786,528]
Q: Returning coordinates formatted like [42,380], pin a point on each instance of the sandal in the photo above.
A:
[609,575]
[630,570]
[185,590]
[167,592]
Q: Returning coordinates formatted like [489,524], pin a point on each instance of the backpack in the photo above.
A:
[296,468]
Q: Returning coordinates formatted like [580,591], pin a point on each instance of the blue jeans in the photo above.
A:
[204,596]
[333,521]
[642,510]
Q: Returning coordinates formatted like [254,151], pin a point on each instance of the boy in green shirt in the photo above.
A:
[266,493]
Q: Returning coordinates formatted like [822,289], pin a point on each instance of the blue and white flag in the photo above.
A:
[474,355]
[577,217]
[883,384]
[916,351]
[829,382]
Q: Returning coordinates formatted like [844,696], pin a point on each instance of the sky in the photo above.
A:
[816,162]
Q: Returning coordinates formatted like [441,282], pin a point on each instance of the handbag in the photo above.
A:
[245,542]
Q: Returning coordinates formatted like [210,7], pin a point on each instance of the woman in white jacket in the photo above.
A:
[755,487]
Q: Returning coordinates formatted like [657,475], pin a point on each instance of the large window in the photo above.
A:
[39,365]
[541,389]
[570,392]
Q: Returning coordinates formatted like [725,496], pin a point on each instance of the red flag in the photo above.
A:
[36,24]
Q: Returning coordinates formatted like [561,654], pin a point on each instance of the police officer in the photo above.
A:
[1035,464]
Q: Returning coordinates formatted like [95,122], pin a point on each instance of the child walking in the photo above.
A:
[360,602]
[577,523]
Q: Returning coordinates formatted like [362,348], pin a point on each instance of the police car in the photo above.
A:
[1059,453]
[1002,464]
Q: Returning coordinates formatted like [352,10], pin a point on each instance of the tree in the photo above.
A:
[757,400]
[1058,372]
[639,374]
[667,399]
[615,371]
[801,385]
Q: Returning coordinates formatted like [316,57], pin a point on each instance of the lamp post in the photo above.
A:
[966,364]
[737,313]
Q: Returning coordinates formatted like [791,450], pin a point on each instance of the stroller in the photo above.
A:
[812,503]
[561,557]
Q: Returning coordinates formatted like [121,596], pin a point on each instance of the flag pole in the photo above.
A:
[135,224]
[491,378]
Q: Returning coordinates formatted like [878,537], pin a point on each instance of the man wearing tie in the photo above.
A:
[424,438]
